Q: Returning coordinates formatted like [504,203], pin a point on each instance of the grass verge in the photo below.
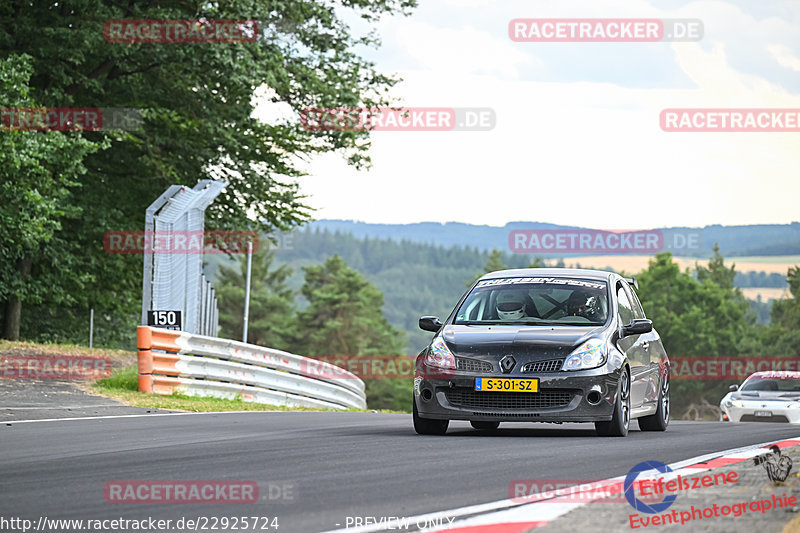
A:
[123,386]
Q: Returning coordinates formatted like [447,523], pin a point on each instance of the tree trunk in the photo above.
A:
[13,312]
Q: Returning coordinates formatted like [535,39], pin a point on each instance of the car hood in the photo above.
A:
[530,342]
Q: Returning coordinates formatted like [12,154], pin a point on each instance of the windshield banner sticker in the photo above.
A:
[553,281]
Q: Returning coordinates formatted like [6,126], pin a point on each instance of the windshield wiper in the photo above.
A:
[496,323]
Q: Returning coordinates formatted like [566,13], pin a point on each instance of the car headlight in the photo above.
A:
[440,355]
[590,354]
[728,403]
[737,403]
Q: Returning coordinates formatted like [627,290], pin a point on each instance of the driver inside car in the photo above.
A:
[578,305]
[511,306]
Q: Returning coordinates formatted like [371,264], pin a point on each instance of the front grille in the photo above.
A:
[545,399]
[472,365]
[553,365]
[773,418]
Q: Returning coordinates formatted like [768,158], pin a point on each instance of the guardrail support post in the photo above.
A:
[144,341]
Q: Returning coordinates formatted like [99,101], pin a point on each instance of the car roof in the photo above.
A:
[550,272]
[775,374]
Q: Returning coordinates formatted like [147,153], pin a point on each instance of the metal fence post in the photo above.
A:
[247,290]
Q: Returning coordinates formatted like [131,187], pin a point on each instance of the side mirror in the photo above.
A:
[430,323]
[638,326]
[733,388]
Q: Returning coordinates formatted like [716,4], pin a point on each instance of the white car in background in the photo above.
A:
[764,397]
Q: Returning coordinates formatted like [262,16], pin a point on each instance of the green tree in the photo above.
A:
[696,317]
[693,317]
[782,337]
[344,318]
[271,320]
[197,102]
[716,272]
[786,313]
[37,173]
[537,262]
[344,314]
[493,264]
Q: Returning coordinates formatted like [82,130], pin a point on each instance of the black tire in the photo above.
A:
[621,421]
[480,424]
[428,426]
[659,420]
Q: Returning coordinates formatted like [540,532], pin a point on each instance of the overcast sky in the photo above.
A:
[577,139]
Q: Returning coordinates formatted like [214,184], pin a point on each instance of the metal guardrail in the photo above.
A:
[175,361]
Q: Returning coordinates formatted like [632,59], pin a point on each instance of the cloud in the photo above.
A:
[464,50]
[784,56]
[577,139]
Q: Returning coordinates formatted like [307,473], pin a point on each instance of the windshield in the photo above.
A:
[536,301]
[773,383]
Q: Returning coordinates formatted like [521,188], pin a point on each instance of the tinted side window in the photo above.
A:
[638,312]
[624,306]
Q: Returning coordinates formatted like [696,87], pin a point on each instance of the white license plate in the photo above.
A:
[763,413]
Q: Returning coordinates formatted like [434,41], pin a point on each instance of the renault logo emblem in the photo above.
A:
[507,364]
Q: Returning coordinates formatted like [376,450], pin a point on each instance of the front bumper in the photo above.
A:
[756,413]
[580,396]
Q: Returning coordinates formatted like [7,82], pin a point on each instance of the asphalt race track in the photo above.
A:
[316,469]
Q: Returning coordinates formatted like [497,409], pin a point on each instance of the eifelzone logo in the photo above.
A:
[630,493]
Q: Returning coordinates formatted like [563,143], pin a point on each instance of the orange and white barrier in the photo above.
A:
[196,365]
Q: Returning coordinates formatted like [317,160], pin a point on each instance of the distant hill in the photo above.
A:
[762,240]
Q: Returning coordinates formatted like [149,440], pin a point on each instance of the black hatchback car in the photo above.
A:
[543,345]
